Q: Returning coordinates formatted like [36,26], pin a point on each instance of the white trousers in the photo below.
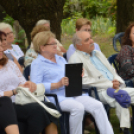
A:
[78,105]
[123,114]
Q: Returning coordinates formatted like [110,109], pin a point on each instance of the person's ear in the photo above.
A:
[76,30]
[42,48]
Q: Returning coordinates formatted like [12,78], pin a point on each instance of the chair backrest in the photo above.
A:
[65,56]
[113,61]
[26,72]
[117,37]
[21,61]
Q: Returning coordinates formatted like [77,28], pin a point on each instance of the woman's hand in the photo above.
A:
[32,86]
[63,82]
[82,73]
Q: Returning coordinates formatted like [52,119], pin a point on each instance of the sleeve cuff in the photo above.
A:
[47,87]
[1,93]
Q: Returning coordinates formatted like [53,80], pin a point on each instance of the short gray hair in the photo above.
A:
[4,26]
[42,22]
[76,39]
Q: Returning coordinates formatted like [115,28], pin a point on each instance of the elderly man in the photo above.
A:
[99,73]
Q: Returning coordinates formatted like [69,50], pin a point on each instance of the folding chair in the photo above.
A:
[118,37]
[21,61]
[65,56]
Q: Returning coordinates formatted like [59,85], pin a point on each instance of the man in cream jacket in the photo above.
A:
[99,73]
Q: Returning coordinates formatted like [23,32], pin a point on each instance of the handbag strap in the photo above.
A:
[53,112]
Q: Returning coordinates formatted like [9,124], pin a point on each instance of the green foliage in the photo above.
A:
[18,41]
[99,25]
[91,8]
[8,19]
[68,25]
[103,25]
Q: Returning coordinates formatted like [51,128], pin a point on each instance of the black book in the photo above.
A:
[74,73]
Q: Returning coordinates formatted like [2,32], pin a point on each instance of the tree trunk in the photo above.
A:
[2,15]
[125,14]
[28,12]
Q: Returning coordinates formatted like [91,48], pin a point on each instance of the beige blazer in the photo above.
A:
[92,76]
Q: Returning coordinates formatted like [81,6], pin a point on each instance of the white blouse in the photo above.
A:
[10,78]
[15,51]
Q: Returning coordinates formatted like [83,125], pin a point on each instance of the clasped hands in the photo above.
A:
[116,84]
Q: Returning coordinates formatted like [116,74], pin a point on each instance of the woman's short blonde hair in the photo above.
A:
[37,29]
[41,39]
[81,22]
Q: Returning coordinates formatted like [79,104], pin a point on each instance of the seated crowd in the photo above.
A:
[45,56]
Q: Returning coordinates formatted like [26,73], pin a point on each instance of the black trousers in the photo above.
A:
[7,113]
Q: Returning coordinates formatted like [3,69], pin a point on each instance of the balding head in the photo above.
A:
[83,41]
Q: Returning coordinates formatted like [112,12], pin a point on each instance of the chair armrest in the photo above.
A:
[56,100]
[95,92]
[129,83]
[89,91]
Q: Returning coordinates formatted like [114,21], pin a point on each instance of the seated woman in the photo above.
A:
[9,55]
[49,68]
[31,54]
[15,50]
[8,120]
[33,115]
[126,54]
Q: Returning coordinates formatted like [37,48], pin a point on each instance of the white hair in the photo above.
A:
[76,39]
[4,26]
[42,22]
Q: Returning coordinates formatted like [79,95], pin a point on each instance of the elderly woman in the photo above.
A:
[11,48]
[32,115]
[126,55]
[60,48]
[9,55]
[49,68]
[31,54]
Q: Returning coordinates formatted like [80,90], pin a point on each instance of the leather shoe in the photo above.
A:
[126,131]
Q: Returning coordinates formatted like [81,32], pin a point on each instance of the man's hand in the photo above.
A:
[32,86]
[116,84]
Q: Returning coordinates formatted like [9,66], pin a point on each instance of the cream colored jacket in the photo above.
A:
[92,76]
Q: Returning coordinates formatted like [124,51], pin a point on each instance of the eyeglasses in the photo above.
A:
[88,30]
[51,44]
[9,33]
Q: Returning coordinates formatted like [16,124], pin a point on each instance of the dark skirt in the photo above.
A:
[33,118]
[7,113]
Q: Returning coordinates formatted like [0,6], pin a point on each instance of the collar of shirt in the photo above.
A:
[47,60]
[93,53]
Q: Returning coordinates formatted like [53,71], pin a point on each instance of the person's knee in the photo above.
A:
[78,109]
[98,105]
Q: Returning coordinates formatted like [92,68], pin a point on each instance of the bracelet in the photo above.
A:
[13,92]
